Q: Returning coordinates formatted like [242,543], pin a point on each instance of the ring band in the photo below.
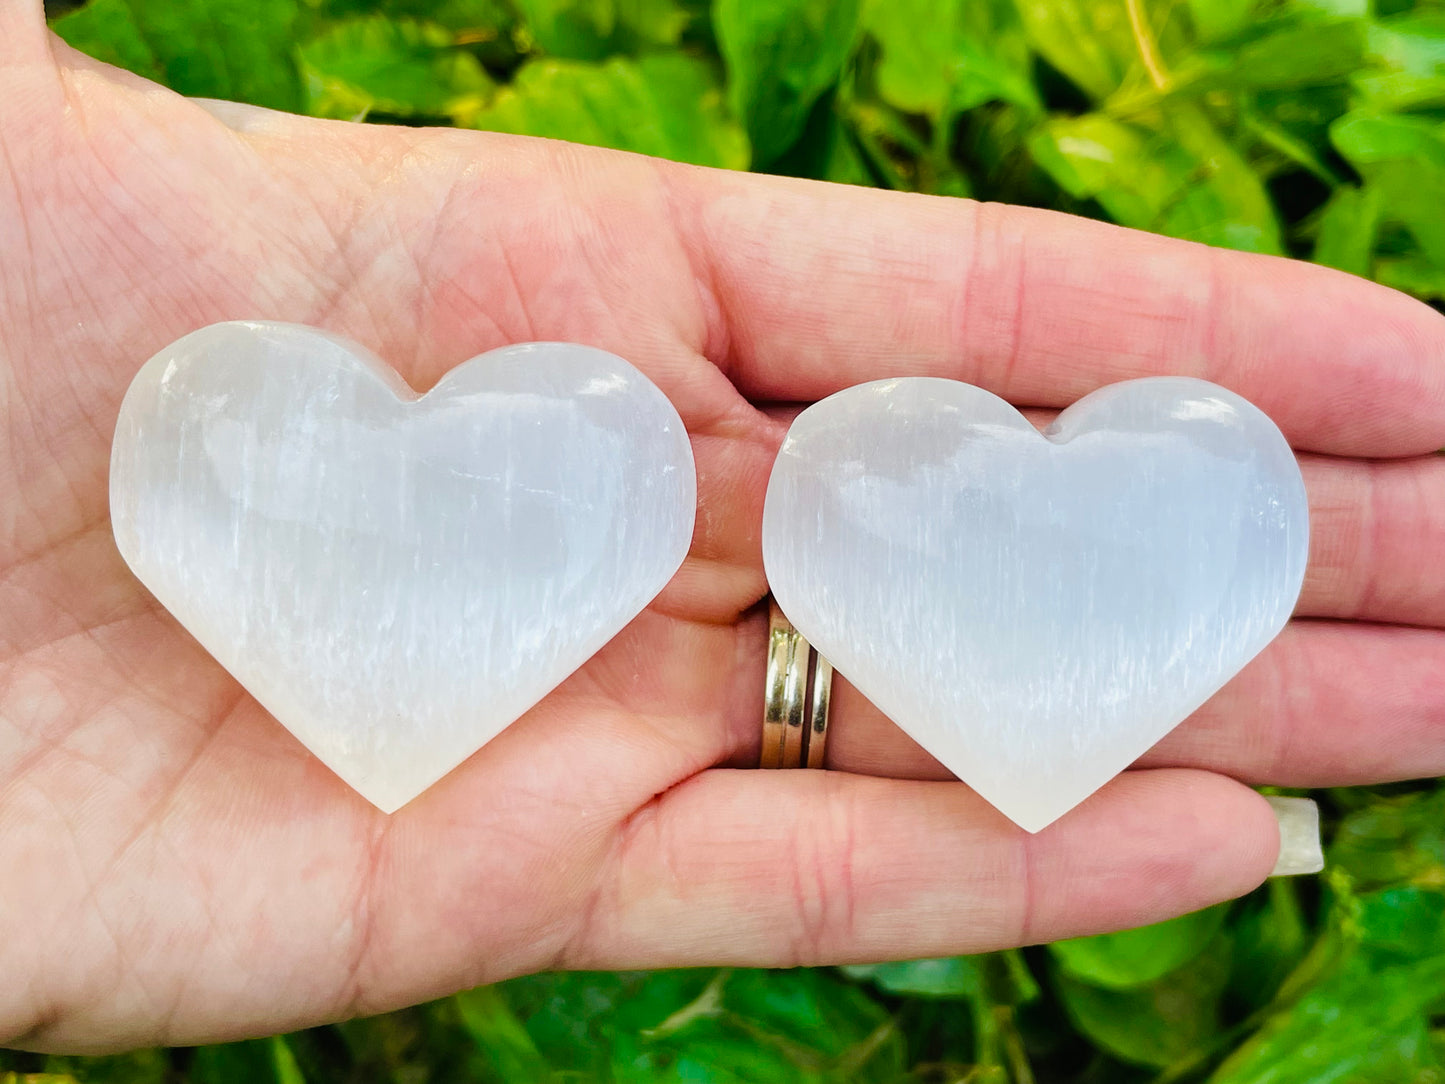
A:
[818,717]
[792,736]
[783,694]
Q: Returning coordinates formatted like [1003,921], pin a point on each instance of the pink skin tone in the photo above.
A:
[178,869]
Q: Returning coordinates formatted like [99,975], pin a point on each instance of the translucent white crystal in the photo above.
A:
[1036,611]
[396,578]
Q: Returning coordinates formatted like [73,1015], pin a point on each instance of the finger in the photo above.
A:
[23,37]
[723,573]
[1376,531]
[822,286]
[789,868]
[33,98]
[1327,704]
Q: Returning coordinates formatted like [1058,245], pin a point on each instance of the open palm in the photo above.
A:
[177,868]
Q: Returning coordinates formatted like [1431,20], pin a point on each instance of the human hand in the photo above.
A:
[178,869]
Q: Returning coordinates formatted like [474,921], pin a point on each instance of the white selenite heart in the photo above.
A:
[1036,610]
[397,577]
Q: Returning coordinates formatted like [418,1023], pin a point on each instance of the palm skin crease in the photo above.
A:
[177,869]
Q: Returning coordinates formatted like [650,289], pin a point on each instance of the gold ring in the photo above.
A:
[818,717]
[792,736]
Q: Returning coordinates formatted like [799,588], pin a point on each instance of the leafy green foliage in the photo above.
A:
[667,104]
[1271,935]
[972,53]
[1367,1019]
[240,49]
[1314,128]
[1154,1023]
[1151,177]
[1121,961]
[593,29]
[716,1025]
[395,66]
[1396,840]
[781,57]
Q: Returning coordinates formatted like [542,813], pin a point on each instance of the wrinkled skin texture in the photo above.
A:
[177,869]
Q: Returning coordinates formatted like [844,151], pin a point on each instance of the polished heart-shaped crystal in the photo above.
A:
[1036,610]
[397,577]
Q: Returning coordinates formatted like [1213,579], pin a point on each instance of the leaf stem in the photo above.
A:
[1148,48]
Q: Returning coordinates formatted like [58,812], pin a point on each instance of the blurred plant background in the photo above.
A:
[1314,128]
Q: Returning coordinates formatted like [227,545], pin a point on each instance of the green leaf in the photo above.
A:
[488,29]
[668,105]
[252,1062]
[813,1011]
[574,1019]
[287,1071]
[453,14]
[1216,19]
[718,1026]
[1184,180]
[139,1067]
[1402,925]
[781,56]
[1353,9]
[973,53]
[1368,139]
[1348,226]
[391,66]
[1270,939]
[107,30]
[827,150]
[951,976]
[1302,116]
[593,29]
[896,153]
[1090,41]
[1002,977]
[1221,200]
[1118,961]
[1415,274]
[387,1049]
[498,1033]
[1367,1023]
[1158,1023]
[1408,52]
[234,49]
[831,147]
[991,988]
[1403,159]
[1294,52]
[1294,150]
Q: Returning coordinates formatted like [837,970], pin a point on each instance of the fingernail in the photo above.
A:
[1299,836]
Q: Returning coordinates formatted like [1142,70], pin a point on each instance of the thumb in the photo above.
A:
[24,41]
[29,79]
